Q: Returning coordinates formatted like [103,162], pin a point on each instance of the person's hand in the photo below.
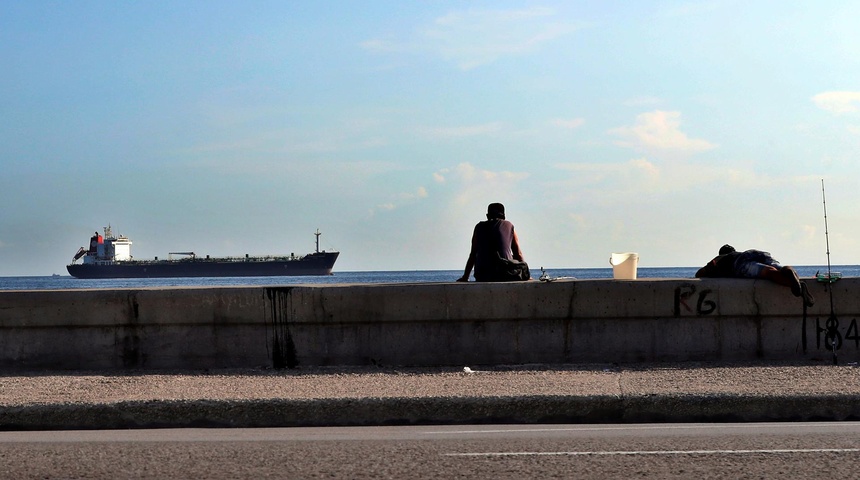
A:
[463,279]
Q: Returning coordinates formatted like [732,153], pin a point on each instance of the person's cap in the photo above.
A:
[726,249]
[496,210]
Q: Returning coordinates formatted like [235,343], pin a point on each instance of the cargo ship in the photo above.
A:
[110,257]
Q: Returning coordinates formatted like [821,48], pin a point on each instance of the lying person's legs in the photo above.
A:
[787,277]
[781,276]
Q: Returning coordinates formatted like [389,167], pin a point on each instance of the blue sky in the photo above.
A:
[667,128]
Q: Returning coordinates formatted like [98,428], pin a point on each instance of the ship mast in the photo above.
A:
[318,240]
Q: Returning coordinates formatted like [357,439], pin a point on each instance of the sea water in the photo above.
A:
[63,282]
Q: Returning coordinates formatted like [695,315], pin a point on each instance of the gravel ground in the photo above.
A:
[20,389]
[688,392]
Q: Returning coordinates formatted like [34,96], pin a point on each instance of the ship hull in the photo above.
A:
[312,264]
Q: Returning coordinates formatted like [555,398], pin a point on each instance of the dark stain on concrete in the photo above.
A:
[283,348]
[130,354]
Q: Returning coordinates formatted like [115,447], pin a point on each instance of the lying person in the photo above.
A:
[755,264]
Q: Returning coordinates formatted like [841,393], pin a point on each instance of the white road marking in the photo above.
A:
[656,452]
[631,428]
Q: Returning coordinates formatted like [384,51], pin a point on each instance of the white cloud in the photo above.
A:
[579,220]
[571,123]
[402,198]
[460,132]
[809,232]
[642,102]
[641,178]
[838,102]
[474,185]
[473,38]
[421,192]
[659,130]
[379,45]
[468,173]
[646,167]
[639,171]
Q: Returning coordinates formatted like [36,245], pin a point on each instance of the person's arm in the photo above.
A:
[470,262]
[515,247]
[709,270]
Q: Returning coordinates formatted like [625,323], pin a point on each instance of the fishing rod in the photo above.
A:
[832,337]
[826,237]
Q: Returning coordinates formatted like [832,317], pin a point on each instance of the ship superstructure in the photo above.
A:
[105,249]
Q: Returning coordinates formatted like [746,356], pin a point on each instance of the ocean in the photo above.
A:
[64,282]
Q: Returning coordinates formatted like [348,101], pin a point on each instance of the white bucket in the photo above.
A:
[624,265]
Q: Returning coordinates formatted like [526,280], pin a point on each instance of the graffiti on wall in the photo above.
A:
[688,299]
[829,334]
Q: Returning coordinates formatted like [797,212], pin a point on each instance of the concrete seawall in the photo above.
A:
[567,321]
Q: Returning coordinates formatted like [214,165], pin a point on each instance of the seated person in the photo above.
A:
[493,240]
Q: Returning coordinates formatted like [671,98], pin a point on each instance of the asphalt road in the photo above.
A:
[749,450]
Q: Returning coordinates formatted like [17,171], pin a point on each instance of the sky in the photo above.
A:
[666,128]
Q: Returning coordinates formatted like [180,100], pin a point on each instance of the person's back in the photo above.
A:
[721,266]
[492,239]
